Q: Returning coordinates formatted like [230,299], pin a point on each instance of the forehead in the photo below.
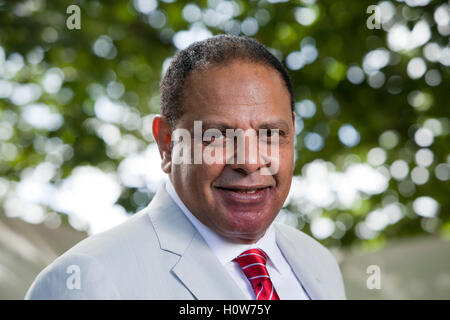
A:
[239,91]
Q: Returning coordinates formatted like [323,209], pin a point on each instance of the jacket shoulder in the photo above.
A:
[89,269]
[75,277]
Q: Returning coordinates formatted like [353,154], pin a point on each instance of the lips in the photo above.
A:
[248,195]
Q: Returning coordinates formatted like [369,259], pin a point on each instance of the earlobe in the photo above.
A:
[166,163]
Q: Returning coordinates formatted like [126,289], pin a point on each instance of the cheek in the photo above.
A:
[206,173]
[285,172]
[286,160]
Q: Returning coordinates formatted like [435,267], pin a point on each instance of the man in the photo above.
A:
[208,233]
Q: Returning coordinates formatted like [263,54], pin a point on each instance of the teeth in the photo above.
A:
[247,191]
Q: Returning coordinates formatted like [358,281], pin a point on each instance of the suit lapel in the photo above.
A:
[200,271]
[198,268]
[302,267]
[203,274]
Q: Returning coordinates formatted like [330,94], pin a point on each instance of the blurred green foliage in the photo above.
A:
[137,47]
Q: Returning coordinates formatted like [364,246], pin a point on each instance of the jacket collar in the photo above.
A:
[197,268]
[302,265]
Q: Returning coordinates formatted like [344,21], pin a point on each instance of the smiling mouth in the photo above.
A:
[245,190]
[245,195]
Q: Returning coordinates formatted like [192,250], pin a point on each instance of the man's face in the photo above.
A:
[236,200]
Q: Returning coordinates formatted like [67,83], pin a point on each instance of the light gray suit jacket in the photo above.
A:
[158,254]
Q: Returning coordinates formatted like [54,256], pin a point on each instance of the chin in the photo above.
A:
[248,224]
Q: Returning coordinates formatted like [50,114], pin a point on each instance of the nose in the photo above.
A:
[246,155]
[245,168]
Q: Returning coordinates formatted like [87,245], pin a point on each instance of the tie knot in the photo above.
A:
[253,264]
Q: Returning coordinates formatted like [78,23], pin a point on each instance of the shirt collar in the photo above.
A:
[225,249]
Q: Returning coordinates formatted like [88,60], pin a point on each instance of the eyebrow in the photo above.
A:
[215,125]
[278,124]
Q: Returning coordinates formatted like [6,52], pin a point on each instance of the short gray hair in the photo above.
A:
[219,49]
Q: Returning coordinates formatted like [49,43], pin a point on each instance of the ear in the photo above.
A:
[293,119]
[162,134]
[293,158]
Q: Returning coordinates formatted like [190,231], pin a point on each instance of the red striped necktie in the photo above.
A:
[253,264]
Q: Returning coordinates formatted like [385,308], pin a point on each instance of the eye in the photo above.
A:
[209,138]
[270,133]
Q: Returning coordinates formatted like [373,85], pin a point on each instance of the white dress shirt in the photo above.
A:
[283,278]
